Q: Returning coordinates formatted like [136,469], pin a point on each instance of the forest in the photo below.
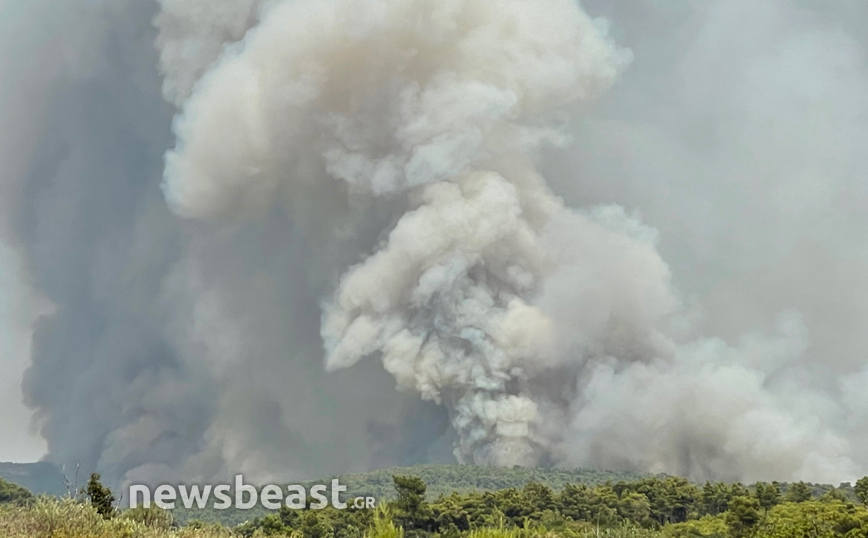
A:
[640,507]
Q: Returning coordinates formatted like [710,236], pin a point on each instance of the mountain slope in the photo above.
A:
[39,478]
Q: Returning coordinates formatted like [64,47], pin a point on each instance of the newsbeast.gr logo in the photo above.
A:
[244,496]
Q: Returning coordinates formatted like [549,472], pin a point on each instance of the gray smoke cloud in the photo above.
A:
[549,334]
[421,194]
[161,355]
[434,124]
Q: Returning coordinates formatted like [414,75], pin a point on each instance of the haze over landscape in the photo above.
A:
[293,238]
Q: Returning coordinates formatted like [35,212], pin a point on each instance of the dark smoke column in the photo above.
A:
[82,154]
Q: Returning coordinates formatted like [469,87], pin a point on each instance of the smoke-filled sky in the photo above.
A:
[299,237]
[20,442]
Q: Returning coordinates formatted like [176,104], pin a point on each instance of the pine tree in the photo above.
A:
[100,496]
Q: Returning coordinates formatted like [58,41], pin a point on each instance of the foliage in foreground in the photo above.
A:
[664,507]
[440,480]
[68,518]
[13,494]
[653,507]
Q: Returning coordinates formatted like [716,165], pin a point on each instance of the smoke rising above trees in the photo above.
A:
[443,197]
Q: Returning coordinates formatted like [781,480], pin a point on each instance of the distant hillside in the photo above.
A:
[39,478]
[445,479]
[440,479]
[47,479]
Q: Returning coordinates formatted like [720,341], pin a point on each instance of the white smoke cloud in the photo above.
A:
[548,334]
[363,176]
[156,355]
[193,35]
[394,112]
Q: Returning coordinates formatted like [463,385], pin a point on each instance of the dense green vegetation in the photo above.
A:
[100,497]
[13,494]
[643,507]
[649,506]
[448,479]
[440,480]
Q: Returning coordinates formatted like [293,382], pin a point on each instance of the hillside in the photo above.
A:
[39,478]
[446,479]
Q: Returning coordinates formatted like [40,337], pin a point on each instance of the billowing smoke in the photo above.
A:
[168,350]
[425,110]
[547,333]
[351,196]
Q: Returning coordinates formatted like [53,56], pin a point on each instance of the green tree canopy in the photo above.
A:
[100,496]
[799,493]
[861,489]
[412,511]
[14,494]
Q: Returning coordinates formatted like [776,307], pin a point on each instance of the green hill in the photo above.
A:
[446,479]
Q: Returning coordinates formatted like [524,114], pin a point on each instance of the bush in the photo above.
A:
[13,494]
[67,518]
[705,527]
[382,525]
[153,517]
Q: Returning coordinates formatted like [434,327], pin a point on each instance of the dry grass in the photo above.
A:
[52,518]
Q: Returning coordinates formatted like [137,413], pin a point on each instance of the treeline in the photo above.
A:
[670,505]
[440,480]
[41,478]
[649,507]
[446,479]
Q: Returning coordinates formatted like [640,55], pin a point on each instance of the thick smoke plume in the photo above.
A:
[427,106]
[169,350]
[533,324]
[352,196]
